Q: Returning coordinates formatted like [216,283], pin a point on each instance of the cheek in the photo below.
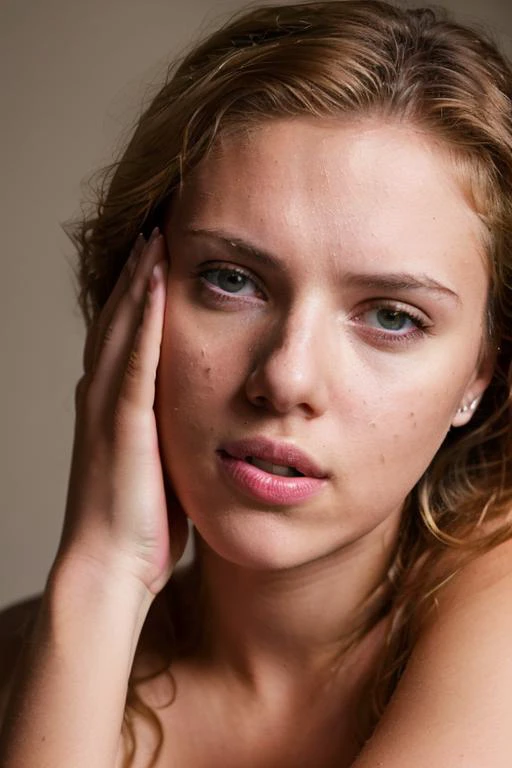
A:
[422,392]
[188,399]
[201,368]
[414,432]
[403,418]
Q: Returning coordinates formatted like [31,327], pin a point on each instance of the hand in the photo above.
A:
[119,506]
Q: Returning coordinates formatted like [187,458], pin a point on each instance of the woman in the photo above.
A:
[307,354]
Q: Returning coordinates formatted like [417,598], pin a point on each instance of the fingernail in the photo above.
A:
[155,233]
[159,272]
[139,243]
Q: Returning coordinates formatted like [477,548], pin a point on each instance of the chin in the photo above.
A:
[267,542]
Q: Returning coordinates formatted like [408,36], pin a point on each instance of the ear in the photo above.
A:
[475,388]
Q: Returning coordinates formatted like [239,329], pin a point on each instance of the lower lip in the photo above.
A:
[268,488]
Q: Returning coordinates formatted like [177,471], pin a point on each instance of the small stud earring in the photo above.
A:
[471,407]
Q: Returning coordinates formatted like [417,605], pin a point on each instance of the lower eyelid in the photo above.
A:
[385,339]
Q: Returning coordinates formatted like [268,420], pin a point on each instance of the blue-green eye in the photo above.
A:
[390,323]
[393,320]
[233,281]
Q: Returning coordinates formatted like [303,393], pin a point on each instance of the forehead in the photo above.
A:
[382,192]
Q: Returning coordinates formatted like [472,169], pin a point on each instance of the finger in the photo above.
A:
[129,292]
[138,387]
[119,337]
[97,332]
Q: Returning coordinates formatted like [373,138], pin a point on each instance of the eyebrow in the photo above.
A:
[386,281]
[237,244]
[399,281]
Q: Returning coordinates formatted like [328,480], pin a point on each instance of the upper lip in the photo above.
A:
[275,453]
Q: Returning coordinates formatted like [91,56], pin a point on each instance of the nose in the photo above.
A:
[291,365]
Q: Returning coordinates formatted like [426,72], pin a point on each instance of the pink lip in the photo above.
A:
[266,487]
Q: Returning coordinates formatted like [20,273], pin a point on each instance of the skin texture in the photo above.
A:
[325,350]
[304,355]
[115,552]
[299,357]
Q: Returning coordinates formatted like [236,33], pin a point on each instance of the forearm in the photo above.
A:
[68,702]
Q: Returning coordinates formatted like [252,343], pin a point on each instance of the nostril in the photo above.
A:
[279,387]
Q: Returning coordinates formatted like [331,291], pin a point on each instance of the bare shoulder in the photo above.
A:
[491,570]
[16,622]
[453,705]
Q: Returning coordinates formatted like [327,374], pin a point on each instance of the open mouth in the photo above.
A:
[273,469]
[279,459]
[268,471]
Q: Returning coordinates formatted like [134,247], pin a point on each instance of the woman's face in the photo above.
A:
[326,295]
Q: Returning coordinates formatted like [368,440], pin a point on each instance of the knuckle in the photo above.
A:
[108,334]
[133,365]
[103,338]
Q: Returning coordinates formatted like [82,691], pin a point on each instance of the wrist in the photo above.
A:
[80,653]
[76,568]
[81,586]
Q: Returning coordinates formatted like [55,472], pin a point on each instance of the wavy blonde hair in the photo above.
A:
[360,58]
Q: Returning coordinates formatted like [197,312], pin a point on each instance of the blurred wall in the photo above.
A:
[72,75]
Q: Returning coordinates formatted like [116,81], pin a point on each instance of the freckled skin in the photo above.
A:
[293,364]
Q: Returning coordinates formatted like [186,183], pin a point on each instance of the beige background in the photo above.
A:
[72,76]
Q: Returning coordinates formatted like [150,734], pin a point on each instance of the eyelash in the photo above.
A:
[217,295]
[421,326]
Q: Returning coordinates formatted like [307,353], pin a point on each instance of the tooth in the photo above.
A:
[273,469]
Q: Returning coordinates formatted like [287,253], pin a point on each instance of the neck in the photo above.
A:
[294,620]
